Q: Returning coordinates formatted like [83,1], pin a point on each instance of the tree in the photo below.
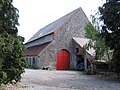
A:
[12,63]
[97,42]
[110,16]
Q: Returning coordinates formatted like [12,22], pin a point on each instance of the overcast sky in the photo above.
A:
[35,14]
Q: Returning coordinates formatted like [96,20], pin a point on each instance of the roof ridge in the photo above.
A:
[60,18]
[52,26]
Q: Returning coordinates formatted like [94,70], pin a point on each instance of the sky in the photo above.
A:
[36,14]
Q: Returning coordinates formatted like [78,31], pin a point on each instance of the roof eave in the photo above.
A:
[40,37]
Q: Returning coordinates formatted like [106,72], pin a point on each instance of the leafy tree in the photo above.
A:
[110,15]
[12,63]
[97,42]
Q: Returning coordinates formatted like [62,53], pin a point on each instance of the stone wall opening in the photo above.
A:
[63,60]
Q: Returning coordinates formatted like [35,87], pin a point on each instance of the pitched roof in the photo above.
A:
[82,42]
[34,51]
[52,26]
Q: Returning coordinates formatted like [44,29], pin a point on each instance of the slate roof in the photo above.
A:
[82,42]
[52,27]
[34,51]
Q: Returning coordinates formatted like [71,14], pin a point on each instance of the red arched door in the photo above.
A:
[63,60]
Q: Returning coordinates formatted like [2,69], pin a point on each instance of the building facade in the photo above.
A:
[53,45]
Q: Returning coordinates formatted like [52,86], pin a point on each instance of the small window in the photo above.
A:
[30,59]
[77,50]
[33,60]
[40,34]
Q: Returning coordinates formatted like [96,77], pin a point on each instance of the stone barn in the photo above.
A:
[55,46]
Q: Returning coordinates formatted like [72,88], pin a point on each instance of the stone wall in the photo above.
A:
[77,46]
[74,27]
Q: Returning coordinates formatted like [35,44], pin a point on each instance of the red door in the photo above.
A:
[63,60]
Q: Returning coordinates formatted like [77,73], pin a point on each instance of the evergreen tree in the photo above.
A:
[110,15]
[12,64]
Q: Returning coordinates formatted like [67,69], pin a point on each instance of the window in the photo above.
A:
[77,50]
[29,62]
[40,34]
[33,60]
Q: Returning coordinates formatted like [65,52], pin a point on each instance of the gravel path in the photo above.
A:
[62,80]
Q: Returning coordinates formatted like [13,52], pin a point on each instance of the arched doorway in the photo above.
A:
[63,60]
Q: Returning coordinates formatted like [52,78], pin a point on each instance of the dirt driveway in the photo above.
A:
[62,80]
